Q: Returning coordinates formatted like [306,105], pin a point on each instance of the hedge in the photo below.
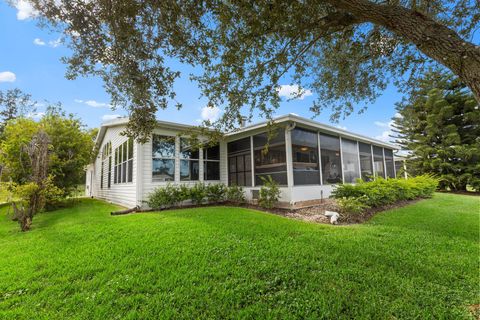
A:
[383,192]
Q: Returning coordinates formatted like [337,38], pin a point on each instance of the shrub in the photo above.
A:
[164,197]
[216,192]
[235,194]
[198,193]
[269,193]
[352,206]
[183,193]
[383,192]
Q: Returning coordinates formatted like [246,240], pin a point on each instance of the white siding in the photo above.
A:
[121,193]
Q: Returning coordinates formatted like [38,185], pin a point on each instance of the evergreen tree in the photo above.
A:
[439,124]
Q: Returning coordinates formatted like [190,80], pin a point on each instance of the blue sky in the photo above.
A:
[30,60]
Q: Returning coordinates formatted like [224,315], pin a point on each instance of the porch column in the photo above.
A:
[139,173]
[288,150]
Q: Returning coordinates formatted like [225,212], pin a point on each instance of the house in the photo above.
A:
[307,159]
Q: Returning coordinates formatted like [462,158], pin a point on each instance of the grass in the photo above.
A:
[420,261]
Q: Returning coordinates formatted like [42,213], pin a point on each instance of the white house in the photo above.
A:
[305,157]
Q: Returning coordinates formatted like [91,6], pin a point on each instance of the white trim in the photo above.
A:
[320,158]
[139,175]
[288,158]
[384,165]
[359,164]
[318,127]
[252,161]
[373,163]
[341,159]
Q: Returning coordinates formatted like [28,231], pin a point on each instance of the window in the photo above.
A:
[211,163]
[270,161]
[366,161]
[239,163]
[163,158]
[330,159]
[124,162]
[189,165]
[350,161]
[389,163]
[305,157]
[378,162]
[106,164]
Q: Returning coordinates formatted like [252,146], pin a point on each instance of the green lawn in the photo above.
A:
[420,261]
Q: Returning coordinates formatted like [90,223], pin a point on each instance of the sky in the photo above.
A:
[30,59]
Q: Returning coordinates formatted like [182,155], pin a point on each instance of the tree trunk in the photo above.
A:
[434,39]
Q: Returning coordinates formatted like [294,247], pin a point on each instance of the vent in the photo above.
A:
[255,194]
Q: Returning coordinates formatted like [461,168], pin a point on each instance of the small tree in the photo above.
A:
[32,193]
[269,193]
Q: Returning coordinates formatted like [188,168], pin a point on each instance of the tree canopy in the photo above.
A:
[346,51]
[440,125]
[14,103]
[70,148]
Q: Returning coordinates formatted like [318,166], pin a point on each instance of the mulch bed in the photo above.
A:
[314,213]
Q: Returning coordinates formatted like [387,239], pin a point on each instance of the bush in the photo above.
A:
[383,192]
[352,206]
[216,192]
[164,197]
[198,193]
[269,193]
[235,194]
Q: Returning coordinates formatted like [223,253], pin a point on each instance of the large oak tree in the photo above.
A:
[346,51]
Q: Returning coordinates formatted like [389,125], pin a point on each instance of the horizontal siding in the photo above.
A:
[122,193]
[149,185]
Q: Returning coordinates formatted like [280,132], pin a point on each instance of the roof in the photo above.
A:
[316,126]
[301,121]
[122,121]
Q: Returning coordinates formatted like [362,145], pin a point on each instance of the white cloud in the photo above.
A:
[35,115]
[398,115]
[292,92]
[93,103]
[7,76]
[55,43]
[25,10]
[108,117]
[385,136]
[51,43]
[211,113]
[39,42]
[382,124]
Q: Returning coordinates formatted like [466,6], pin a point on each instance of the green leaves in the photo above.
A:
[440,127]
[242,51]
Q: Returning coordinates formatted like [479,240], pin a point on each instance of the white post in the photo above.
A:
[289,159]
[394,166]
[320,158]
[201,168]
[341,160]
[177,160]
[373,162]
[359,164]
[139,173]
[384,164]
[252,161]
